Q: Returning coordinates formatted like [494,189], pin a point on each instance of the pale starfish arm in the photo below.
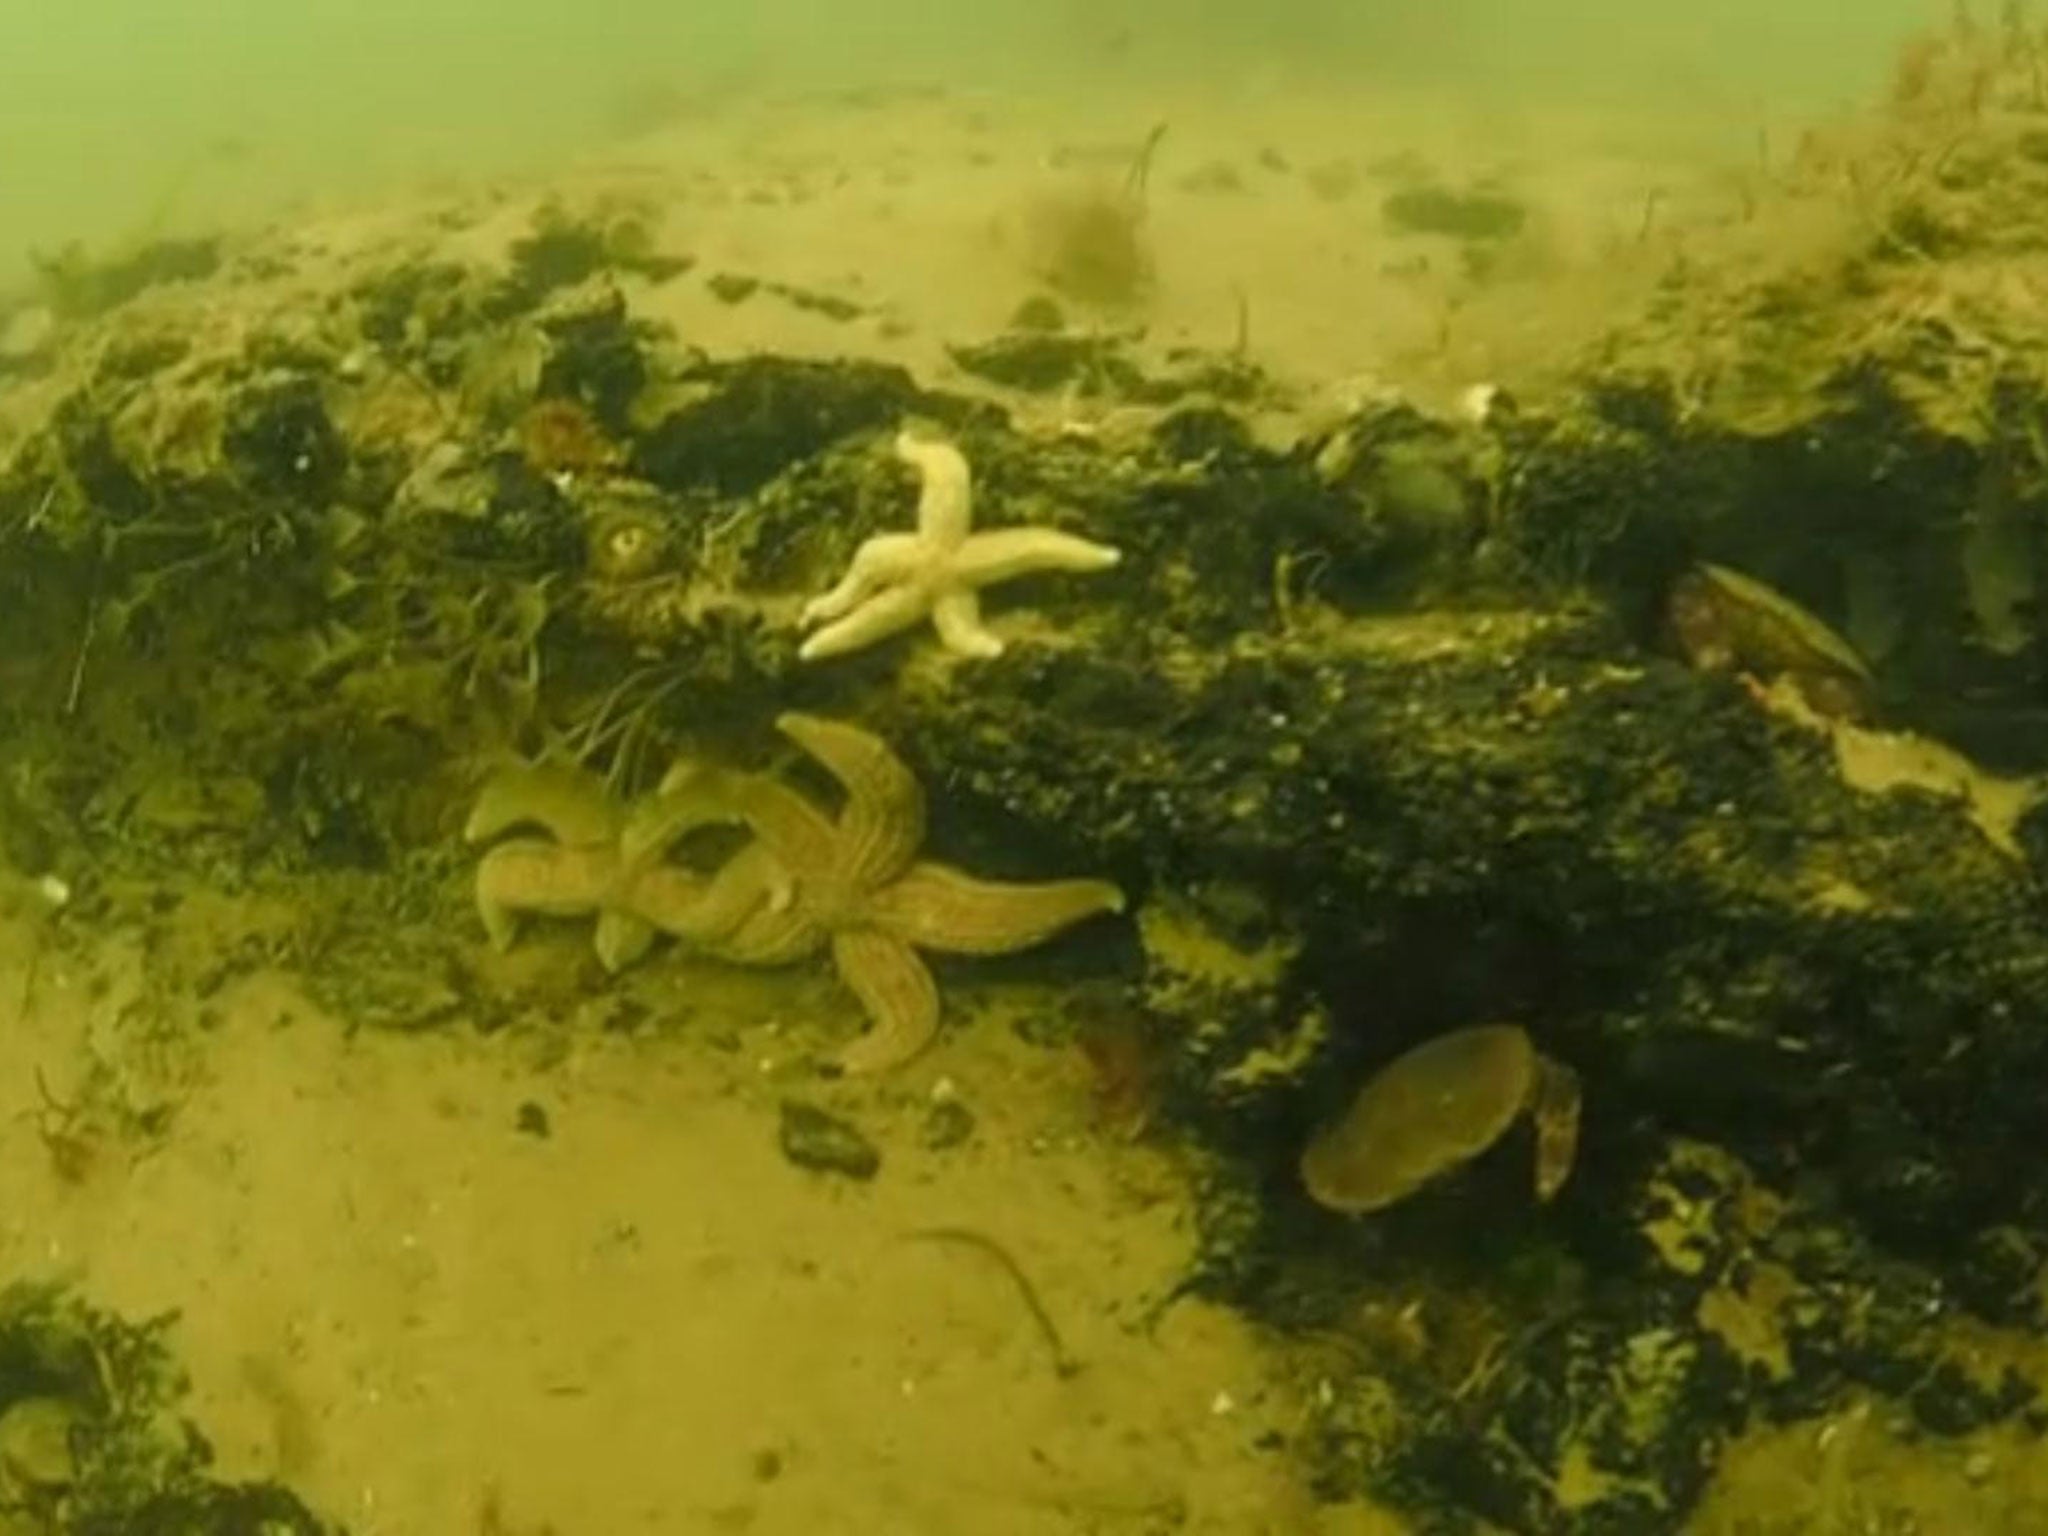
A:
[935,906]
[622,938]
[887,613]
[896,992]
[886,560]
[945,502]
[569,803]
[1004,553]
[956,615]
[881,826]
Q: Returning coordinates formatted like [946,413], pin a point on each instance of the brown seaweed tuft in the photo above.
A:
[1088,242]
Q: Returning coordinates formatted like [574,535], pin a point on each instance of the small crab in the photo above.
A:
[1723,621]
[1435,1109]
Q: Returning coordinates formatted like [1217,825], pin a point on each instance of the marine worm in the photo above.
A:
[1063,1363]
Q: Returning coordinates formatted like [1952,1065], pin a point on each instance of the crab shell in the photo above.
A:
[1438,1107]
[1723,621]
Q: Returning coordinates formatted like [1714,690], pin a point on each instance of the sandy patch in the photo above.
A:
[402,1299]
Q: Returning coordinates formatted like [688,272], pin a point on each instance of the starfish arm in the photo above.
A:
[889,612]
[956,615]
[799,837]
[1003,553]
[886,560]
[772,936]
[935,906]
[691,796]
[945,502]
[528,874]
[569,803]
[765,882]
[896,992]
[622,938]
[500,919]
[671,899]
[708,911]
[881,826]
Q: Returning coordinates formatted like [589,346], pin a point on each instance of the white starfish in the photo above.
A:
[896,580]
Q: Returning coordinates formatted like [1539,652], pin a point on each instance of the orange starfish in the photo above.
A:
[860,891]
[808,881]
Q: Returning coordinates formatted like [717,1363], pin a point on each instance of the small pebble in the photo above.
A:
[1038,314]
[813,1139]
[947,1123]
[732,287]
[532,1120]
[1979,1467]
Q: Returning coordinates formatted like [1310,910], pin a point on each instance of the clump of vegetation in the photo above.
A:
[564,248]
[1089,243]
[90,1441]
[1966,67]
[76,285]
[1477,213]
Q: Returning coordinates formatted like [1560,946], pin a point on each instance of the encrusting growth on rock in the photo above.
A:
[897,580]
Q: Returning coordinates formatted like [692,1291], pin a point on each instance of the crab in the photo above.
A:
[1723,621]
[1435,1109]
